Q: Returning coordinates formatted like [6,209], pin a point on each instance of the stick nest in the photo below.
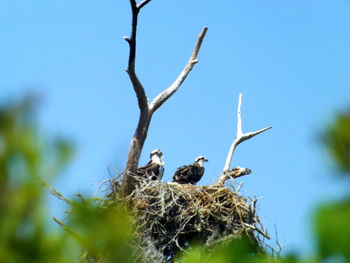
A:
[169,216]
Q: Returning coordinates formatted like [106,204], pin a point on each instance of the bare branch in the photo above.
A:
[142,4]
[139,90]
[241,137]
[261,232]
[253,206]
[166,94]
[239,187]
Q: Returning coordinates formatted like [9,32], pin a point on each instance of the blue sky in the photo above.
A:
[290,59]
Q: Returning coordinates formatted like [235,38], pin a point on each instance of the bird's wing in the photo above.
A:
[152,170]
[145,169]
[181,173]
[182,170]
[196,175]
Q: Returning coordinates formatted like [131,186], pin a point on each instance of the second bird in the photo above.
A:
[190,174]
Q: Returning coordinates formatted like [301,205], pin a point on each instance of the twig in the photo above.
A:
[56,193]
[101,185]
[253,207]
[280,247]
[240,137]
[257,230]
[239,187]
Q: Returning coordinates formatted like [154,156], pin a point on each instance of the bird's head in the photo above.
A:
[157,156]
[200,160]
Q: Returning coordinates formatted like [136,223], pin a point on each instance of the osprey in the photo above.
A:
[154,169]
[190,174]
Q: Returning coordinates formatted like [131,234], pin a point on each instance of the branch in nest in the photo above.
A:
[240,137]
[261,232]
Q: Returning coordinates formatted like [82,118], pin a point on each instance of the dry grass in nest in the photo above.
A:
[169,216]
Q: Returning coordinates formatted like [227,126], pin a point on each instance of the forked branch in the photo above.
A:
[240,137]
[146,109]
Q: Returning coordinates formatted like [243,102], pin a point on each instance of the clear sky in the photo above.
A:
[290,59]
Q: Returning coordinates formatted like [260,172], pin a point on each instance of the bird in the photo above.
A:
[154,169]
[190,174]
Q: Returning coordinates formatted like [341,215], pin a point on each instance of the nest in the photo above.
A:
[170,216]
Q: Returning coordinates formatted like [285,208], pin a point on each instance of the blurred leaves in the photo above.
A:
[25,156]
[105,232]
[238,250]
[333,230]
[337,141]
[92,232]
[332,221]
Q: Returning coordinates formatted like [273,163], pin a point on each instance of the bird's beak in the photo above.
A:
[206,160]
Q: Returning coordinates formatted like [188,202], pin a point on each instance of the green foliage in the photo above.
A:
[103,231]
[238,250]
[337,140]
[92,233]
[332,221]
[24,157]
[333,231]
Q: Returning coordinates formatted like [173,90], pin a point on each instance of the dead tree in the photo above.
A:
[240,137]
[168,215]
[147,109]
